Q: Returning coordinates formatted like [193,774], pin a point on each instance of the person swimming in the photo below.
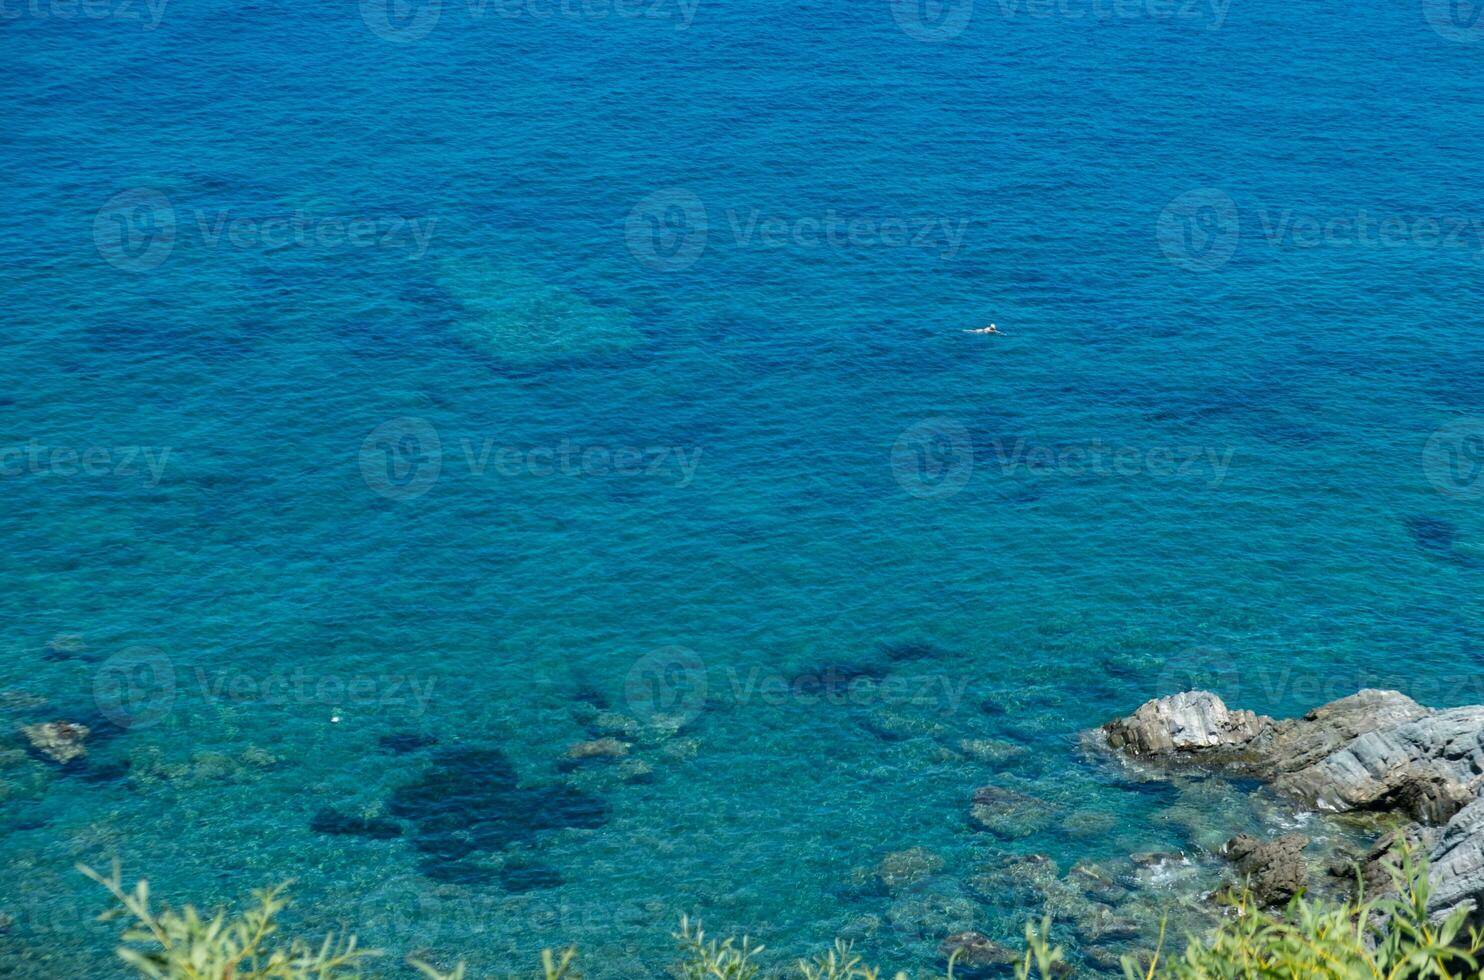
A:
[989,329]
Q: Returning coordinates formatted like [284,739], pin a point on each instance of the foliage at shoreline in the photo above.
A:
[1387,938]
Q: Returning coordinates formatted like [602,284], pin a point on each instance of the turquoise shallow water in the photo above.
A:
[458,376]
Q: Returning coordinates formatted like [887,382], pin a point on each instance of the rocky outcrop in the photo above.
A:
[1373,751]
[59,741]
[1275,871]
[1193,721]
[1456,871]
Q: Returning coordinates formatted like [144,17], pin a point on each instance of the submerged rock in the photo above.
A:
[59,741]
[598,748]
[972,952]
[1008,813]
[901,868]
[469,801]
[403,742]
[517,319]
[332,821]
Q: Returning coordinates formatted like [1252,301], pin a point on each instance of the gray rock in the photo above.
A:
[1275,871]
[1456,864]
[1191,721]
[1421,764]
[1373,751]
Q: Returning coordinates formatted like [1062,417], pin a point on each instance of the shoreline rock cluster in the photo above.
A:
[1372,752]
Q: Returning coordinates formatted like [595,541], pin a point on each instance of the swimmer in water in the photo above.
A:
[989,329]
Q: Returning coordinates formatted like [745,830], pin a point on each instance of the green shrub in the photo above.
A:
[1390,938]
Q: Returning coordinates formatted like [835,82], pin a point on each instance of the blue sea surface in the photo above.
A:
[397,394]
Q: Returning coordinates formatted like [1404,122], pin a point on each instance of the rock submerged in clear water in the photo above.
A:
[515,318]
[1008,813]
[469,801]
[1372,752]
[902,868]
[973,952]
[59,741]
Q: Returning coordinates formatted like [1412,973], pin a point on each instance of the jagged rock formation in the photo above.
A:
[1372,751]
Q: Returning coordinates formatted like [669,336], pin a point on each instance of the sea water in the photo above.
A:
[397,395]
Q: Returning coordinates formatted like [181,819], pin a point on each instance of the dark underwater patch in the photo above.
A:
[908,650]
[332,821]
[1438,538]
[1432,533]
[521,878]
[405,742]
[468,801]
[834,679]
